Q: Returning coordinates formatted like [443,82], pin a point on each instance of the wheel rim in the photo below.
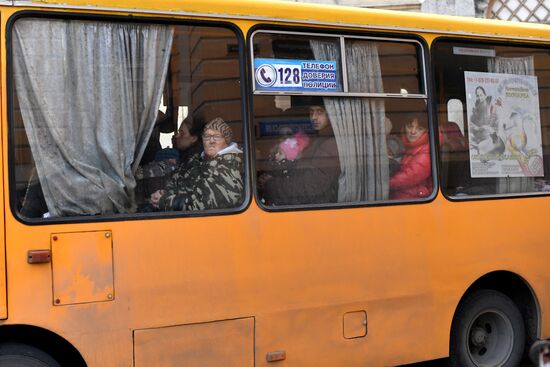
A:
[490,339]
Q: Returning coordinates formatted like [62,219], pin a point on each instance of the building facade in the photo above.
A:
[516,10]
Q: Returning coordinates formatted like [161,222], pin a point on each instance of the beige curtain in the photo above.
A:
[89,94]
[358,124]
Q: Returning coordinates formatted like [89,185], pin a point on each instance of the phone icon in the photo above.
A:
[263,75]
[266,76]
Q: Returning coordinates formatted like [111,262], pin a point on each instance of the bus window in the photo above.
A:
[349,135]
[455,113]
[504,149]
[90,101]
[398,62]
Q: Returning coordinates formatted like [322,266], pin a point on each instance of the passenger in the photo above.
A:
[453,149]
[155,175]
[209,180]
[291,148]
[166,161]
[394,146]
[284,159]
[451,138]
[313,179]
[163,124]
[413,180]
[187,140]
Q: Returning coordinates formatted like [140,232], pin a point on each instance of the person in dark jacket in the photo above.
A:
[212,179]
[312,178]
[155,175]
[187,140]
[413,180]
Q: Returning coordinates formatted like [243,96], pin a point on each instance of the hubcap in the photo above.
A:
[479,336]
[490,339]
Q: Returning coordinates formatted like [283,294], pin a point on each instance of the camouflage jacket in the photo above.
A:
[155,169]
[152,177]
[201,184]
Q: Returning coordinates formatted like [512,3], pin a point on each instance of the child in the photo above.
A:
[292,147]
[279,164]
[395,148]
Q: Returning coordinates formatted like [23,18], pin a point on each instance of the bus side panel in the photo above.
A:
[221,343]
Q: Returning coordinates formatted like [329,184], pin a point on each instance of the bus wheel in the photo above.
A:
[21,355]
[487,331]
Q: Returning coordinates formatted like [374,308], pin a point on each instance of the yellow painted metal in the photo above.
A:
[306,13]
[296,273]
[227,343]
[3,280]
[82,267]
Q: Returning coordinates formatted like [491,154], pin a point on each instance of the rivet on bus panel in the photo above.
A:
[107,234]
[109,296]
[279,355]
[54,238]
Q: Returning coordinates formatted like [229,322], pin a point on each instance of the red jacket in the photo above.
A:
[413,180]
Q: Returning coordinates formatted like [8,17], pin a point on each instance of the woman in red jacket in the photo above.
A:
[413,180]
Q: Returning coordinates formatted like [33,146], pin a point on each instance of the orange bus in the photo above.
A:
[261,183]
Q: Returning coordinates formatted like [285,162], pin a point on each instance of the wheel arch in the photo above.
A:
[53,344]
[517,289]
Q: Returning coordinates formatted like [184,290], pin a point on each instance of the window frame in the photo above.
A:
[341,37]
[79,16]
[426,82]
[462,41]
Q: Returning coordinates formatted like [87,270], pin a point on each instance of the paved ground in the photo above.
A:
[435,363]
[441,363]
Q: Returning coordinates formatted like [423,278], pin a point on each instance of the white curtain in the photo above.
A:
[358,124]
[89,93]
[518,66]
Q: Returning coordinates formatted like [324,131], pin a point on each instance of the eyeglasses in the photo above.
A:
[214,137]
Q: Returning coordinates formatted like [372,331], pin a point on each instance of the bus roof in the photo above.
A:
[306,13]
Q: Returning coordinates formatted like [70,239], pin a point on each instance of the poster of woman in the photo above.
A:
[503,125]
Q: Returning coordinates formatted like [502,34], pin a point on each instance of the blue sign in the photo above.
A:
[282,127]
[295,75]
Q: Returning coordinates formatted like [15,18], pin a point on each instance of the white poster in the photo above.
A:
[503,125]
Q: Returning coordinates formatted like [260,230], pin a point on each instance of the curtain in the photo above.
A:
[518,66]
[358,124]
[88,94]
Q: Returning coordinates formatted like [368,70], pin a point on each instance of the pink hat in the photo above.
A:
[293,146]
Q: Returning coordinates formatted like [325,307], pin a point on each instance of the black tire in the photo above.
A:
[487,331]
[21,355]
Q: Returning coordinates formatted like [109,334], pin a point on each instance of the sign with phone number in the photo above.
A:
[295,75]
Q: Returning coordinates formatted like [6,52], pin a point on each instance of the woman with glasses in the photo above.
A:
[210,180]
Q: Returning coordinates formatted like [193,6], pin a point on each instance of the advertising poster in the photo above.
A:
[503,125]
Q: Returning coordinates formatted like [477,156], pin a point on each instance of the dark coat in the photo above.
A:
[311,179]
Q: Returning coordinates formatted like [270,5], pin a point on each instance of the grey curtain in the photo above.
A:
[89,93]
[358,124]
[517,66]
